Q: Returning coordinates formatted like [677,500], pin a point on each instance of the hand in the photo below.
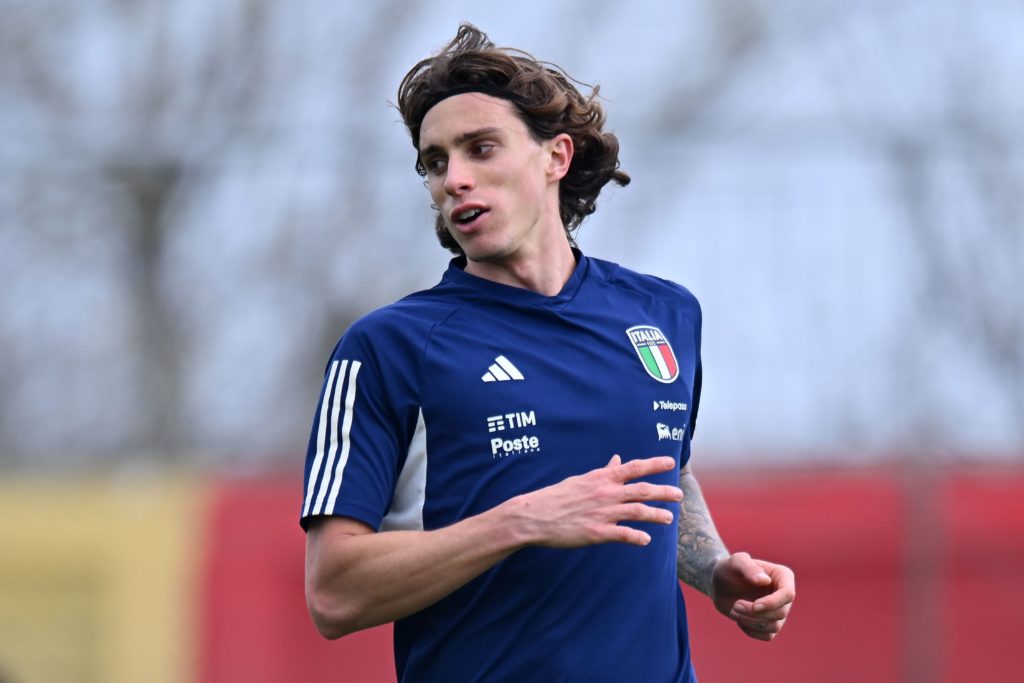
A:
[586,509]
[756,594]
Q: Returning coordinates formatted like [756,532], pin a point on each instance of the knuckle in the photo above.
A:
[609,493]
[643,490]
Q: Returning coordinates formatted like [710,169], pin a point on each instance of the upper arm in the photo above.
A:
[324,528]
[327,549]
[364,421]
[324,535]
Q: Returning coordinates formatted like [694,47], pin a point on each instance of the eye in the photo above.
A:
[482,148]
[435,165]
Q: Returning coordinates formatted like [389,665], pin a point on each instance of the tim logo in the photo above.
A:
[669,433]
[513,445]
[500,423]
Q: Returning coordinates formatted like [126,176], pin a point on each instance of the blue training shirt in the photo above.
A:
[455,399]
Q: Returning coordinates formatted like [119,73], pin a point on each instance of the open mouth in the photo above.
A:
[467,217]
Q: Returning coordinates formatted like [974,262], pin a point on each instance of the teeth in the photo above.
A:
[469,215]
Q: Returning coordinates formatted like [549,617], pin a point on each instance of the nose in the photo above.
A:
[458,177]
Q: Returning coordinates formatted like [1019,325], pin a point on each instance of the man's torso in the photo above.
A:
[494,392]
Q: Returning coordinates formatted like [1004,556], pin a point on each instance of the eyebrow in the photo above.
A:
[461,138]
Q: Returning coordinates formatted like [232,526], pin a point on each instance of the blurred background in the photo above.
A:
[196,200]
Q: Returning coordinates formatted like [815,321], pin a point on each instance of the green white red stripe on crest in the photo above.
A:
[655,352]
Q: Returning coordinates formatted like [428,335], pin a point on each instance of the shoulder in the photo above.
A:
[410,315]
[644,285]
[403,326]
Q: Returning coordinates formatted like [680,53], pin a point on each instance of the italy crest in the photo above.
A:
[655,352]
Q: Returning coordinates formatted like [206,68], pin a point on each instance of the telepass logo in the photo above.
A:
[655,352]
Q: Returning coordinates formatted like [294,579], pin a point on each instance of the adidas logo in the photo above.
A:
[502,371]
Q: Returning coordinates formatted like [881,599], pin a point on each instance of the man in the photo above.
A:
[496,464]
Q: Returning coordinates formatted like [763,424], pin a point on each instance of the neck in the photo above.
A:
[545,272]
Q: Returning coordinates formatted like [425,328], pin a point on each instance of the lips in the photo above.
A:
[465,217]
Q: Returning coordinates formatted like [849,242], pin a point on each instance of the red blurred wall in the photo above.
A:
[902,574]
[254,626]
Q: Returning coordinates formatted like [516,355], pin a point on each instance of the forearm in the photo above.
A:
[359,581]
[356,578]
[699,546]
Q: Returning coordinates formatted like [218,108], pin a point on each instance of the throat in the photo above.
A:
[544,273]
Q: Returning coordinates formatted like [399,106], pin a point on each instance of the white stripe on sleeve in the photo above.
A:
[346,427]
[333,450]
[321,433]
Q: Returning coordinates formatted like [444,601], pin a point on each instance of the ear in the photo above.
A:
[561,150]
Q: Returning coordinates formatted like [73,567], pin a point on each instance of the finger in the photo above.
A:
[757,633]
[773,601]
[645,491]
[634,469]
[752,571]
[761,625]
[764,630]
[779,614]
[745,607]
[784,593]
[615,461]
[624,534]
[638,512]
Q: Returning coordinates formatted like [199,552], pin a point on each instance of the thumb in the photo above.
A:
[751,570]
[616,460]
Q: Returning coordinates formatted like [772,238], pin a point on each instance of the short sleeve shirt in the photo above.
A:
[455,399]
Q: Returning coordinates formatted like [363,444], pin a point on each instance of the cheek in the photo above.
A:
[436,192]
[530,188]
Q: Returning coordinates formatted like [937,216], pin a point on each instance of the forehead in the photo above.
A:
[456,115]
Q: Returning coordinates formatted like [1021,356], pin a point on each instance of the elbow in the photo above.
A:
[328,629]
[332,616]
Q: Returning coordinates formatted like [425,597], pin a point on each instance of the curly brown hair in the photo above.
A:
[545,99]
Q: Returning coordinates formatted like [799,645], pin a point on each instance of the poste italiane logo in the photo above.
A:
[655,352]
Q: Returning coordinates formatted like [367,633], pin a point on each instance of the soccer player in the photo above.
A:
[497,463]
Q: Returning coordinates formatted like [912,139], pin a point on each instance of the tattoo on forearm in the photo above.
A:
[699,545]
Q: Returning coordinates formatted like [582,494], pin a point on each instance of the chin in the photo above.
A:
[485,253]
[477,248]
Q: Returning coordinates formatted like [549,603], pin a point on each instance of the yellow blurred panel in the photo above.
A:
[98,579]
